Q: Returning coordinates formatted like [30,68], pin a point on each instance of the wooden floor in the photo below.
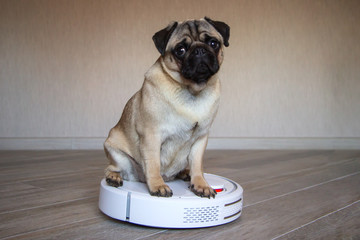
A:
[287,195]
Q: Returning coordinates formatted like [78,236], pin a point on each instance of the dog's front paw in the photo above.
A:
[114,179]
[161,191]
[202,189]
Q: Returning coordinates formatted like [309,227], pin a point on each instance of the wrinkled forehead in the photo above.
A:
[194,30]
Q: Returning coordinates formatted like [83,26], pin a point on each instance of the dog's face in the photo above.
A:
[193,50]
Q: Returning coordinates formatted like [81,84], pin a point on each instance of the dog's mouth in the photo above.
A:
[201,72]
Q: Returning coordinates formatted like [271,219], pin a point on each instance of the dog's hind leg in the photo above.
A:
[119,168]
[113,177]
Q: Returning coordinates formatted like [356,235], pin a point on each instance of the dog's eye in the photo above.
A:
[214,44]
[180,51]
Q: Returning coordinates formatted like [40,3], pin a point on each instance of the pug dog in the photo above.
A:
[163,131]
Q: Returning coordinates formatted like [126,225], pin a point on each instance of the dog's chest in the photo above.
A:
[177,140]
[183,123]
[180,129]
[187,117]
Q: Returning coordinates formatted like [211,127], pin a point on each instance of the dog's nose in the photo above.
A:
[199,51]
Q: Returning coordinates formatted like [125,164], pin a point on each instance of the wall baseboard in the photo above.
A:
[214,143]
[284,143]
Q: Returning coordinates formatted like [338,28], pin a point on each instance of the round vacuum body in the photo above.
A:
[133,203]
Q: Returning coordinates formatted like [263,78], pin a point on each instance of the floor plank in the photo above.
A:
[294,181]
[340,224]
[287,194]
[35,219]
[97,228]
[29,165]
[49,191]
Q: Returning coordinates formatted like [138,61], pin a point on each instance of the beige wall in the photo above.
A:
[292,70]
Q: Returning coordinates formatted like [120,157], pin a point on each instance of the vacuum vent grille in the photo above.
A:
[201,214]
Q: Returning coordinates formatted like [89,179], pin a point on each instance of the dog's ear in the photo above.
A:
[162,37]
[222,28]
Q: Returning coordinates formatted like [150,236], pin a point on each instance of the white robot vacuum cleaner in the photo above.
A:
[133,203]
